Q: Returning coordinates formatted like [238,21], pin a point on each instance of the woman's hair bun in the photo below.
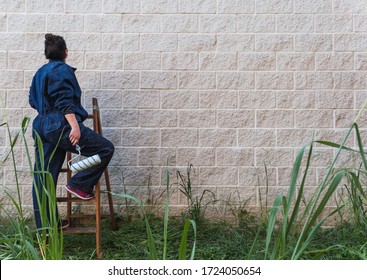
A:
[49,37]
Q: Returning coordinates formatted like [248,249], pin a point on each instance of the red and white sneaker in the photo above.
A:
[79,193]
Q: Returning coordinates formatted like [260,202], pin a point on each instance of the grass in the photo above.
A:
[216,240]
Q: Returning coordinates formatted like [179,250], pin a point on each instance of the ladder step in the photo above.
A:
[73,230]
[81,216]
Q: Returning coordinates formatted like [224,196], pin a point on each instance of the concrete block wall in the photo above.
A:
[226,85]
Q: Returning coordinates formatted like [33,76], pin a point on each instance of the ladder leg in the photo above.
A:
[110,202]
[98,220]
[68,177]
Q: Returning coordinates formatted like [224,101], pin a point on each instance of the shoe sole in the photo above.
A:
[64,226]
[81,197]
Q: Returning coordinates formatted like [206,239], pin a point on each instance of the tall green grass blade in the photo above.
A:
[335,145]
[271,223]
[166,215]
[360,146]
[294,216]
[183,244]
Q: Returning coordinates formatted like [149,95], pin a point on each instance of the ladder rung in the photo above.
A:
[81,216]
[73,230]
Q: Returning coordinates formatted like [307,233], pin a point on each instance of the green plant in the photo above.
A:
[297,228]
[151,240]
[196,205]
[20,243]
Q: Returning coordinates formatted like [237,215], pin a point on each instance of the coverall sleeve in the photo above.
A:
[61,90]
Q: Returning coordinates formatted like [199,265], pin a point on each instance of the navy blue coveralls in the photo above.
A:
[54,93]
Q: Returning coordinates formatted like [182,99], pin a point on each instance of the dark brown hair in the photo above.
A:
[55,47]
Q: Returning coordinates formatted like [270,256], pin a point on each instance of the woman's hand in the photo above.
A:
[74,135]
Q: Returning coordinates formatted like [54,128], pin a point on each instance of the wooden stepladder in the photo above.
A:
[96,229]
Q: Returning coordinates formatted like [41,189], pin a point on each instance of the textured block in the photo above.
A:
[121,42]
[314,80]
[159,6]
[294,137]
[274,118]
[197,118]
[120,80]
[257,61]
[158,118]
[218,61]
[274,157]
[197,80]
[142,61]
[83,6]
[217,138]
[334,61]
[236,118]
[313,118]
[218,24]
[295,100]
[256,23]
[158,42]
[83,41]
[158,80]
[350,80]
[179,23]
[296,61]
[313,6]
[256,99]
[256,137]
[274,6]
[44,6]
[180,99]
[236,6]
[139,137]
[235,156]
[334,99]
[360,61]
[103,23]
[179,137]
[196,156]
[198,6]
[235,42]
[274,42]
[26,23]
[295,23]
[334,23]
[218,175]
[313,42]
[25,60]
[65,23]
[179,61]
[218,99]
[103,61]
[141,99]
[236,80]
[350,42]
[11,79]
[12,6]
[274,80]
[141,24]
[196,42]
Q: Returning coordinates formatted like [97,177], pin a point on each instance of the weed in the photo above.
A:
[195,204]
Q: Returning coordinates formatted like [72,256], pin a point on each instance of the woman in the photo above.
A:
[55,94]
